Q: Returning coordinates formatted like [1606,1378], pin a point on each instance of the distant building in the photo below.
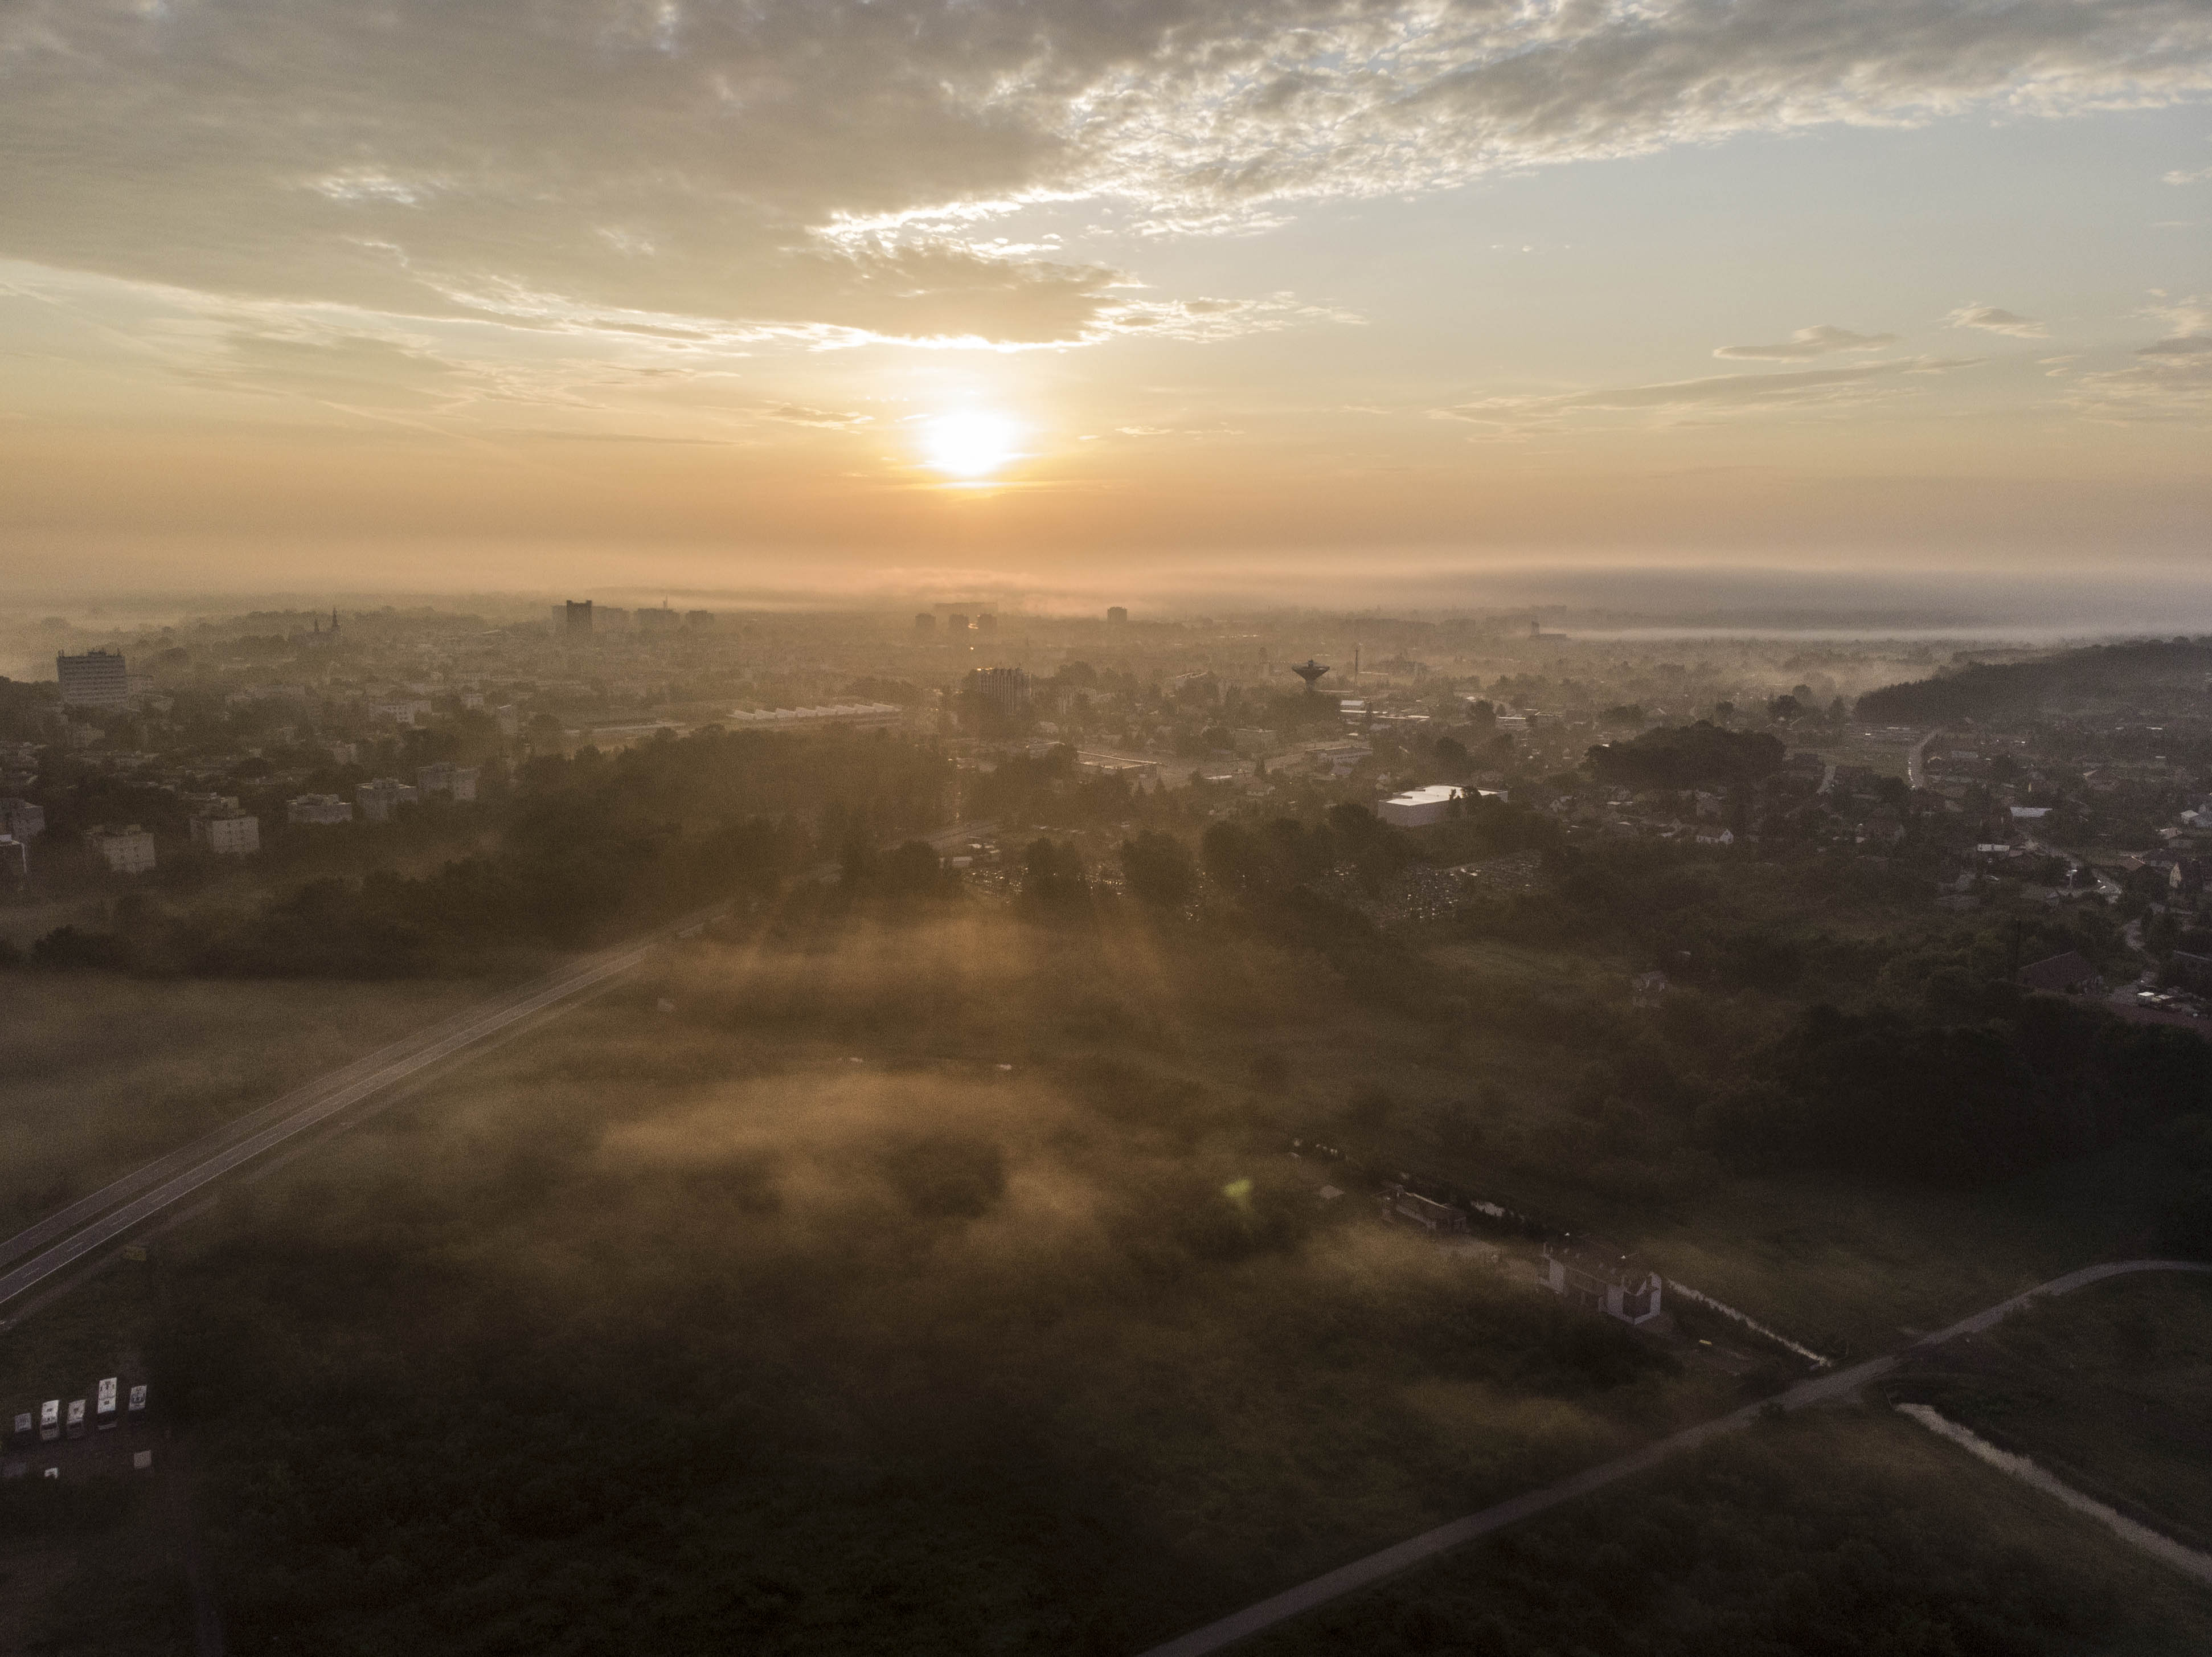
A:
[344,753]
[318,809]
[23,819]
[98,678]
[699,620]
[406,711]
[663,620]
[14,859]
[230,835]
[1116,616]
[987,624]
[380,800]
[572,622]
[956,621]
[1418,807]
[126,851]
[459,782]
[864,716]
[1437,1219]
[1003,690]
[1602,1277]
[925,626]
[607,620]
[510,719]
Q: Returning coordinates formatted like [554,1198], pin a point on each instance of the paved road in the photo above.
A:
[1916,770]
[1363,1573]
[65,1237]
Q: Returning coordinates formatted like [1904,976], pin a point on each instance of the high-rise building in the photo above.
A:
[98,678]
[127,851]
[381,797]
[925,626]
[228,835]
[1001,691]
[572,622]
[987,624]
[1117,617]
[663,620]
[699,620]
[446,777]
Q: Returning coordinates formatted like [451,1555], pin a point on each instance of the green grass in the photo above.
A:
[2109,1387]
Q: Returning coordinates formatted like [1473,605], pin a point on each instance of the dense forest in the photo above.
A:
[2013,690]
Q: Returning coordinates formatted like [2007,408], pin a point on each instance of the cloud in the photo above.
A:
[822,171]
[795,414]
[1807,343]
[1992,318]
[1716,395]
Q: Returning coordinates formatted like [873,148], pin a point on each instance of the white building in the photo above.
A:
[318,809]
[380,799]
[98,678]
[127,851]
[864,716]
[409,712]
[1418,807]
[22,820]
[446,777]
[229,835]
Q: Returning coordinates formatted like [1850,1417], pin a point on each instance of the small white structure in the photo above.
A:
[318,809]
[380,799]
[23,819]
[1417,808]
[228,835]
[127,851]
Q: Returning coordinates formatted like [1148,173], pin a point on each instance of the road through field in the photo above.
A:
[1363,1573]
[67,1235]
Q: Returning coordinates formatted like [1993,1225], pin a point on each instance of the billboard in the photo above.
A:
[50,1419]
[104,1405]
[138,1397]
[77,1417]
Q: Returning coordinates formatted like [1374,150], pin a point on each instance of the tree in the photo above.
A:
[1159,869]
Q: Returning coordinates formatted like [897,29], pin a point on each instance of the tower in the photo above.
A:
[1310,670]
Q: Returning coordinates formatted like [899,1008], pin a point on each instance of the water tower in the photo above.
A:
[1310,670]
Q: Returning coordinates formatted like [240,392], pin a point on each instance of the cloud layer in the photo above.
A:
[833,166]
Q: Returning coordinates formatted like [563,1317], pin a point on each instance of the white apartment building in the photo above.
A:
[380,799]
[445,777]
[318,809]
[126,851]
[228,835]
[98,678]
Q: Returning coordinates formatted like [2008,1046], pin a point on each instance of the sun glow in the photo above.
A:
[969,444]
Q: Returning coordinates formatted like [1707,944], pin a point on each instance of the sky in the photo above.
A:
[1285,298]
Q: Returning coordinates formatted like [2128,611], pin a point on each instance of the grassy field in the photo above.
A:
[104,1072]
[941,1284]
[1841,1532]
[2110,1387]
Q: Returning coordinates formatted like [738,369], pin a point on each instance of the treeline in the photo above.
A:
[590,844]
[2014,689]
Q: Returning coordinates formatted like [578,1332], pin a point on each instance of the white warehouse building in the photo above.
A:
[1418,807]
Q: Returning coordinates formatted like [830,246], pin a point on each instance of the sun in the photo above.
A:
[969,444]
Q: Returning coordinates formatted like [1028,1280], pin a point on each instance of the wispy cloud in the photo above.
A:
[1993,319]
[1808,343]
[1716,395]
[834,167]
